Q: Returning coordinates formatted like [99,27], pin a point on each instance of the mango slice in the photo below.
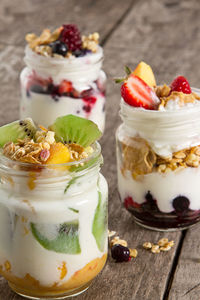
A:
[59,154]
[145,72]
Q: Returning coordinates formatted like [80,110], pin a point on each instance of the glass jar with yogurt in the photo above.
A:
[56,86]
[53,226]
[158,163]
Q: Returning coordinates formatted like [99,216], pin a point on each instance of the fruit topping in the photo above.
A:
[61,238]
[99,226]
[120,253]
[70,35]
[137,93]
[72,129]
[181,204]
[145,72]
[65,87]
[59,154]
[59,47]
[180,84]
[17,130]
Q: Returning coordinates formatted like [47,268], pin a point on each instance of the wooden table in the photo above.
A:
[165,34]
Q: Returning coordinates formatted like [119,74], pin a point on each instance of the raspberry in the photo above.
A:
[180,84]
[70,35]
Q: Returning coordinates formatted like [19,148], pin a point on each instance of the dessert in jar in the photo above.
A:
[53,207]
[63,76]
[158,150]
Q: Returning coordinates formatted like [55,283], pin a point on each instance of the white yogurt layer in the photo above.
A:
[75,69]
[163,187]
[43,109]
[23,251]
[166,131]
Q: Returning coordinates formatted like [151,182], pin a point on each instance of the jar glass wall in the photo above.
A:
[53,226]
[158,166]
[53,87]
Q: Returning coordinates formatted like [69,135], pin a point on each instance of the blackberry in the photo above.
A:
[70,35]
[120,253]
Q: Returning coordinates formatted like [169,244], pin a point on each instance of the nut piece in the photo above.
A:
[117,240]
[165,248]
[171,243]
[155,249]
[133,252]
[147,245]
[111,233]
[162,242]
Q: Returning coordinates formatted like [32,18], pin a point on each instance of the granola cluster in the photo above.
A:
[140,159]
[163,245]
[43,44]
[165,95]
[38,151]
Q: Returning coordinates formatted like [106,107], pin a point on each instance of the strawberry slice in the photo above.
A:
[180,84]
[137,93]
[65,87]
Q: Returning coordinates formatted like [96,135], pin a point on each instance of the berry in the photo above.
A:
[59,47]
[70,35]
[81,52]
[65,87]
[128,202]
[120,253]
[180,84]
[181,204]
[137,93]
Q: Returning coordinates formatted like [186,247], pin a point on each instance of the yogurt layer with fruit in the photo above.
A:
[158,150]
[63,76]
[53,206]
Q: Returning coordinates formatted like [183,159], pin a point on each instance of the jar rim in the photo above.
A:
[97,151]
[96,57]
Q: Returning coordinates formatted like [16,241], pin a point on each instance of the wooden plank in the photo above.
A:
[17,20]
[186,283]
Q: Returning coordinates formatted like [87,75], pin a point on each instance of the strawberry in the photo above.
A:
[65,87]
[180,84]
[137,93]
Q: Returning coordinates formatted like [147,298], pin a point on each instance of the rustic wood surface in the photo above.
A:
[165,34]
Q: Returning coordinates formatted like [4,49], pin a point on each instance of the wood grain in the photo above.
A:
[166,35]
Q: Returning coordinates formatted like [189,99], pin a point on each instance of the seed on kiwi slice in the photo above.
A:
[17,130]
[72,129]
[60,238]
[99,226]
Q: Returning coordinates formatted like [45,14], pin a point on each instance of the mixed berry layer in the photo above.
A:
[149,214]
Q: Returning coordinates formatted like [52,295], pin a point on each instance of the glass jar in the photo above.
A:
[53,87]
[158,163]
[53,226]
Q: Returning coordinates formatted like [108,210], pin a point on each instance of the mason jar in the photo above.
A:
[158,157]
[53,226]
[53,87]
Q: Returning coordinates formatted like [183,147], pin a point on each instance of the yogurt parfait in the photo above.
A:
[53,207]
[63,76]
[158,150]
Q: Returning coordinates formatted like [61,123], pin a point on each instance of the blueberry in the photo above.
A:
[120,253]
[37,89]
[181,204]
[59,47]
[80,52]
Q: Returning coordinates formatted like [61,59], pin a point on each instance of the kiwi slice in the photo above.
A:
[17,130]
[99,226]
[61,238]
[72,129]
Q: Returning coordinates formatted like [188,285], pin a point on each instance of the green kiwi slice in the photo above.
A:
[72,129]
[61,238]
[99,226]
[17,130]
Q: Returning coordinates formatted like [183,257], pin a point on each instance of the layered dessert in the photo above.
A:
[158,150]
[63,76]
[53,207]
